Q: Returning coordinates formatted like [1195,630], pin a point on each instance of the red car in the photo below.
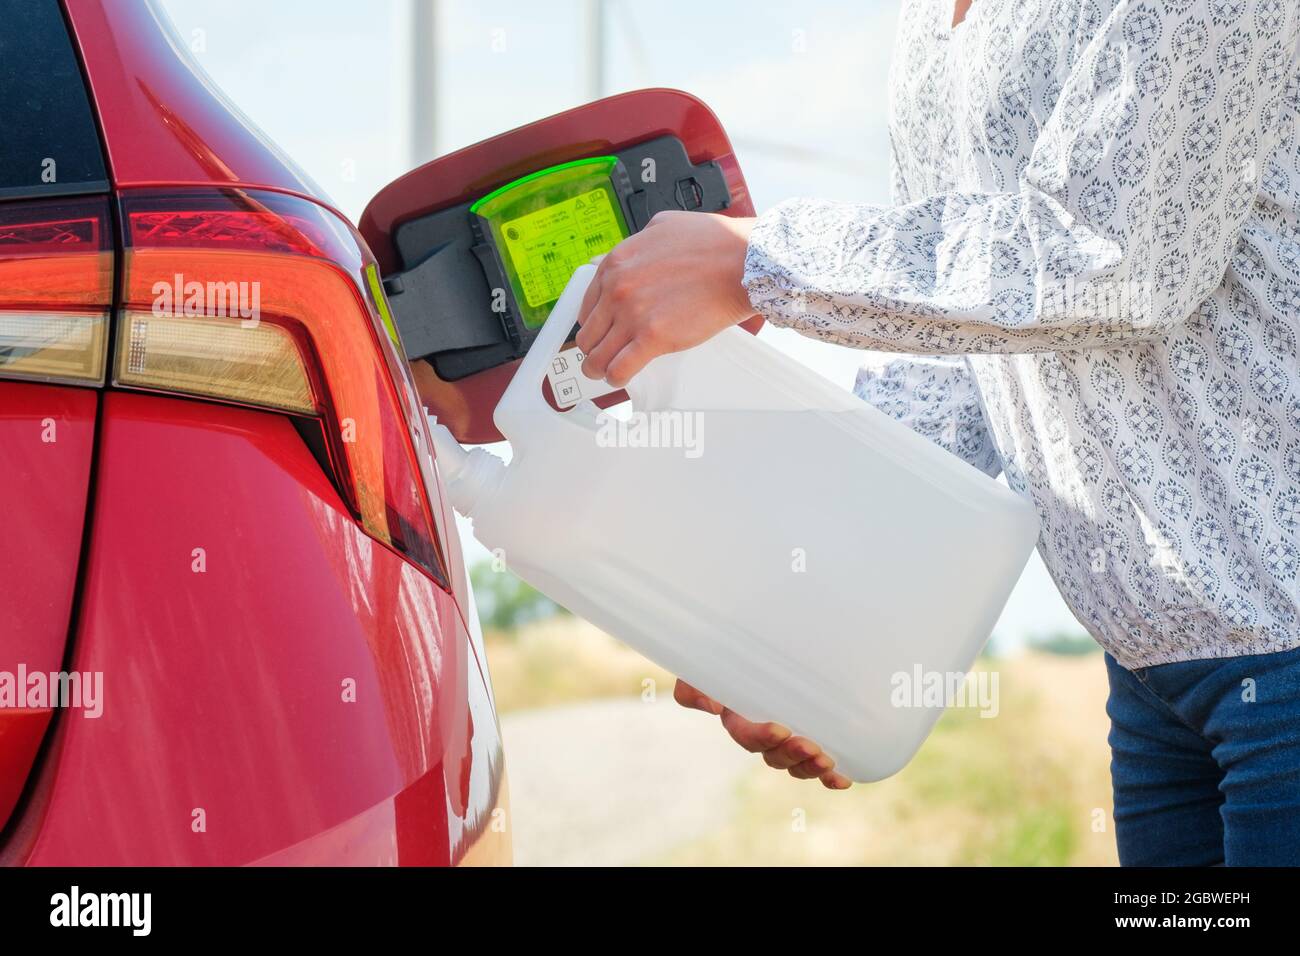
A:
[225,542]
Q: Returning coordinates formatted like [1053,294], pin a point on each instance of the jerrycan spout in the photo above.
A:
[470,476]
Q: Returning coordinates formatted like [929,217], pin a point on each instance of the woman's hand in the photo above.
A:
[802,758]
[671,286]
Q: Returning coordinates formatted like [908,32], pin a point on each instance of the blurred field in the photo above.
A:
[562,660]
[605,769]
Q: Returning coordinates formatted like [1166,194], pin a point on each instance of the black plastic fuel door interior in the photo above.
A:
[478,279]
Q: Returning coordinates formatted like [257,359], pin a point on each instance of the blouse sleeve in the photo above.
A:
[938,399]
[1125,220]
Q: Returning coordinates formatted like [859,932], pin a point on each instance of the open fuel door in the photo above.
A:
[476,246]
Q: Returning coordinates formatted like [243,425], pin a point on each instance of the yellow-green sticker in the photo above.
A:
[546,246]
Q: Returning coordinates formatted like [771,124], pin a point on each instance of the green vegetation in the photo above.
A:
[506,603]
[1066,643]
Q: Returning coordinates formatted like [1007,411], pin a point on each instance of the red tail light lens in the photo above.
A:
[263,299]
[56,287]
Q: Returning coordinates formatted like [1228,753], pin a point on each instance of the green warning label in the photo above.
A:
[546,246]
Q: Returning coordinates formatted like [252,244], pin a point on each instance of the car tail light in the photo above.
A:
[56,287]
[269,300]
[219,357]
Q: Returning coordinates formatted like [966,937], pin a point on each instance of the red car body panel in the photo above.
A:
[47,440]
[165,123]
[275,681]
[307,696]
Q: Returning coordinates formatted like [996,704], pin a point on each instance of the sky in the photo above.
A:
[799,86]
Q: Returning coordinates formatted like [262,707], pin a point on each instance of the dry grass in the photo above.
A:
[563,660]
[1028,787]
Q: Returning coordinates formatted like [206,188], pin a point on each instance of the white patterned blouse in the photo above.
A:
[1096,235]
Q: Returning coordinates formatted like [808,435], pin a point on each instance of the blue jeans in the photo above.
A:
[1205,761]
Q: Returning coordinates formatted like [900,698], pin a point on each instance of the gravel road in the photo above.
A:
[616,782]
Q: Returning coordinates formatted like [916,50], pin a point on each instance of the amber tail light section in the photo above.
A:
[56,288]
[266,300]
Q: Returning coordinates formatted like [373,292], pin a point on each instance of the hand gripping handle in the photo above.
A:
[523,396]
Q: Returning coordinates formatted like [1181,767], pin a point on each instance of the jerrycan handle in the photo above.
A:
[522,398]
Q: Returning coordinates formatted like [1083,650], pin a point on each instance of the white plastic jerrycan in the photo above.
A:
[771,539]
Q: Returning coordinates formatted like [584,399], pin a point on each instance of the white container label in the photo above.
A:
[568,384]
